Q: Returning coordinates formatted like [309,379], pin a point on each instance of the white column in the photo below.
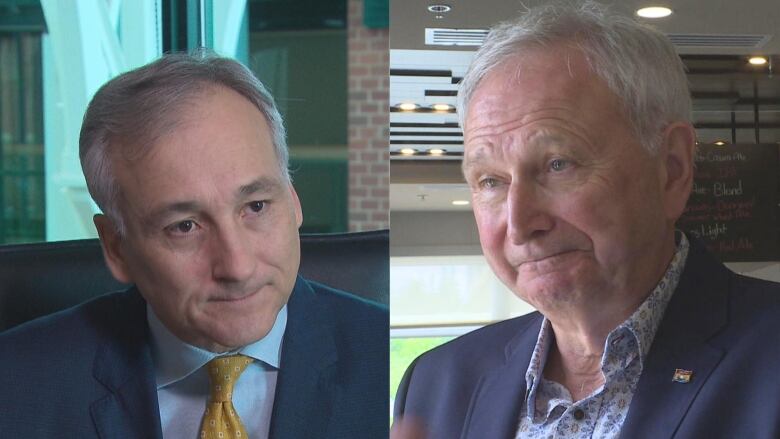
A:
[88,43]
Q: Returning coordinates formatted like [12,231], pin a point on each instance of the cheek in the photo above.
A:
[173,279]
[276,246]
[590,214]
[491,227]
[614,221]
[492,237]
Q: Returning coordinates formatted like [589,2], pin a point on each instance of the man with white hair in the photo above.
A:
[579,154]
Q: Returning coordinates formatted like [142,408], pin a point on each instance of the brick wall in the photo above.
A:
[368,118]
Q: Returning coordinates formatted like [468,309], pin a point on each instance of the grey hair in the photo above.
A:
[132,111]
[638,63]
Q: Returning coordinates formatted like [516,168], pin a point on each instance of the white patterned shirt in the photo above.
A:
[548,410]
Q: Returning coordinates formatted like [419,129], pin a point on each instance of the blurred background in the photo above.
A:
[325,61]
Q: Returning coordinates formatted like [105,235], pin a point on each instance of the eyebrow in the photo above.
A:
[259,185]
[262,184]
[472,160]
[536,141]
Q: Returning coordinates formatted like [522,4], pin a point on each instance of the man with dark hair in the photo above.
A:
[219,337]
[579,155]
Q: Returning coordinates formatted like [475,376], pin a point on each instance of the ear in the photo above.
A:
[111,242]
[296,206]
[677,151]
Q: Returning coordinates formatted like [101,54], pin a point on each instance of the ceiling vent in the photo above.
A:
[719,40]
[454,37]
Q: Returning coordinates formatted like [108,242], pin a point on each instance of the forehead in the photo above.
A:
[215,118]
[541,79]
[220,142]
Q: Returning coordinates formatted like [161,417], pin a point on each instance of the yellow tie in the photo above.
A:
[220,421]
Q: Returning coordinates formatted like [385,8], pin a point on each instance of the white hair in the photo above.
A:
[638,63]
[131,111]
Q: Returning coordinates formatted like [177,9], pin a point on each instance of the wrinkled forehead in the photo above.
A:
[540,78]
[554,71]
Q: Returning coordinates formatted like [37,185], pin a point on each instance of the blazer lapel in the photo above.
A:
[696,312]
[124,366]
[304,387]
[494,410]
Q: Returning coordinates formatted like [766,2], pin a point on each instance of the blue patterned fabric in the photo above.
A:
[548,410]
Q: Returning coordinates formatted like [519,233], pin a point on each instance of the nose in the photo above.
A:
[527,215]
[233,257]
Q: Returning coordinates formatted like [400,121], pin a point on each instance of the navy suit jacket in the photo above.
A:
[87,372]
[722,326]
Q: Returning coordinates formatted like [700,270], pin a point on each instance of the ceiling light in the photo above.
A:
[654,12]
[436,151]
[719,142]
[408,151]
[460,203]
[439,9]
[757,60]
[442,107]
[408,106]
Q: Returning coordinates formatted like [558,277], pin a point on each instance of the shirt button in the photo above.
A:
[579,414]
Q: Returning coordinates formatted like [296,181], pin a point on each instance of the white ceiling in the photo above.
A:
[410,18]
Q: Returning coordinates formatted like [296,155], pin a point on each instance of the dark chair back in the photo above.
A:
[39,279]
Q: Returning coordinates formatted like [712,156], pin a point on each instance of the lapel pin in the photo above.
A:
[682,376]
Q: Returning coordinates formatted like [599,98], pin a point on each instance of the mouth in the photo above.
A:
[550,258]
[235,298]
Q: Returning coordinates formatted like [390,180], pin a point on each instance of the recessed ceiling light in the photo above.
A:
[439,9]
[719,142]
[654,12]
[408,106]
[442,107]
[460,203]
[757,60]
[436,151]
[408,151]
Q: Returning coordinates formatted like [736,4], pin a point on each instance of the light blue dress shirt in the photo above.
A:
[183,385]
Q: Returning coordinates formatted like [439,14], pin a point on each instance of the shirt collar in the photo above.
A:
[174,359]
[644,322]
[640,327]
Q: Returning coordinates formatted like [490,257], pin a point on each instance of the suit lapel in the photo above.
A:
[304,389]
[494,409]
[124,366]
[695,313]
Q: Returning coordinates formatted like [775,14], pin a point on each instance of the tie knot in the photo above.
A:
[223,373]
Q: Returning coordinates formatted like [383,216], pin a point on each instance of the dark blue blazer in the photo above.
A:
[87,372]
[722,326]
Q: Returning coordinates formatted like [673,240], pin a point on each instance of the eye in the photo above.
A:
[182,227]
[558,164]
[255,206]
[488,183]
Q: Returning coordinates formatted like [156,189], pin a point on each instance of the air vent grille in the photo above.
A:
[719,40]
[455,37]
[475,37]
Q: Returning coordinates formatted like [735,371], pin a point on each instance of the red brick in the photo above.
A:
[369,205]
[369,83]
[358,191]
[379,216]
[368,112]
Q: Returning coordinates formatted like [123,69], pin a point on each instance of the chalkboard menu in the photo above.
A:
[733,206]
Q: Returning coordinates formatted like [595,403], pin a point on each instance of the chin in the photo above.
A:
[546,289]
[245,334]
